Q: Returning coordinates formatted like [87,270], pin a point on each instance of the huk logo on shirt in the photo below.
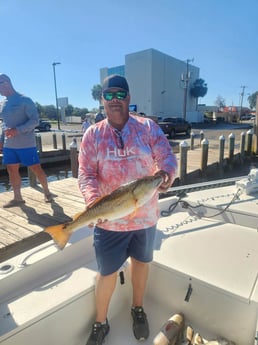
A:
[115,152]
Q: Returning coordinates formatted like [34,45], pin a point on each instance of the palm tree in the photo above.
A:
[252,100]
[96,92]
[198,89]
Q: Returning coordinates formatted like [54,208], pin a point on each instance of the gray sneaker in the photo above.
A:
[98,333]
[140,323]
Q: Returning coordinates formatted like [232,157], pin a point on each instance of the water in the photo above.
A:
[54,173]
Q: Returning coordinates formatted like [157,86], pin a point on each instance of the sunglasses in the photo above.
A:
[121,95]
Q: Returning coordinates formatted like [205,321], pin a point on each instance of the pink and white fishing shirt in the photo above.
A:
[107,161]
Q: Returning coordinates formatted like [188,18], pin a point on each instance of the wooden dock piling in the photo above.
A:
[192,136]
[204,156]
[54,141]
[249,142]
[231,147]
[242,147]
[183,148]
[74,158]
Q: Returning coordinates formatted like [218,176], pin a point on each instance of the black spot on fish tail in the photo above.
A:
[65,225]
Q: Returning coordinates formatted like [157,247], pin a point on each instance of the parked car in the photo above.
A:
[153,117]
[44,125]
[246,117]
[173,125]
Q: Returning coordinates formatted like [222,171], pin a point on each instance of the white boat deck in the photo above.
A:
[205,267]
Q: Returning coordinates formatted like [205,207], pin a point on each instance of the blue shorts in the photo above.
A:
[112,248]
[27,157]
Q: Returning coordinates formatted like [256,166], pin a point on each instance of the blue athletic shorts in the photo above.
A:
[27,157]
[112,248]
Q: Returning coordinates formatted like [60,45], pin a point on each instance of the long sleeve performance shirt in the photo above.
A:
[108,159]
[19,112]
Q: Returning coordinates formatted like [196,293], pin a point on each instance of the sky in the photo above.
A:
[86,35]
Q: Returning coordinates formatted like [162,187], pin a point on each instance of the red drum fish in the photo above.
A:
[122,202]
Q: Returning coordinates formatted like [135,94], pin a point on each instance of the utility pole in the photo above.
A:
[241,100]
[57,110]
[185,79]
[255,129]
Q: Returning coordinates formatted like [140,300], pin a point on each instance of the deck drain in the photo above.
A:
[6,268]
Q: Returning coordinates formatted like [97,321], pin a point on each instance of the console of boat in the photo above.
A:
[205,266]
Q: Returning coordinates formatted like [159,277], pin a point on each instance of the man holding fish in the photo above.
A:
[114,152]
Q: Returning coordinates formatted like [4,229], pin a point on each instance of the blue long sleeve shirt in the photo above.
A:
[20,112]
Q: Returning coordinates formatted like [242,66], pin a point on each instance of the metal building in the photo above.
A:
[159,83]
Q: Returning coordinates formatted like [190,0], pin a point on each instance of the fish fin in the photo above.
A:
[94,202]
[59,235]
[133,214]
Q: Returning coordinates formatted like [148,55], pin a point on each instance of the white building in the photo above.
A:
[156,85]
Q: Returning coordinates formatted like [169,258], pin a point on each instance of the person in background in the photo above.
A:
[85,125]
[115,151]
[18,143]
[99,117]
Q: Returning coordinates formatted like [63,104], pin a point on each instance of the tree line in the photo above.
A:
[221,102]
[49,111]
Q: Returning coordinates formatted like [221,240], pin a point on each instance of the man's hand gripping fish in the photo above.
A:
[120,203]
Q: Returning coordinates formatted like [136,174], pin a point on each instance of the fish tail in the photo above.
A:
[58,234]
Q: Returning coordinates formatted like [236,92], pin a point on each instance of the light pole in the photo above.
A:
[185,78]
[57,110]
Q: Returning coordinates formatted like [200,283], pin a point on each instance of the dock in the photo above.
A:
[22,227]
